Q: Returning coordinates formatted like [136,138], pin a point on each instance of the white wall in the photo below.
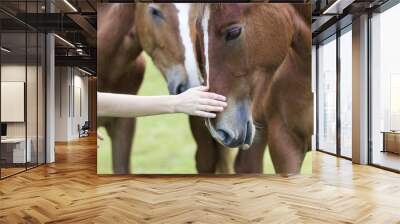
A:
[70,83]
[80,84]
[62,81]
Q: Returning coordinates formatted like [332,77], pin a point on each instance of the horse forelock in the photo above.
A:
[204,26]
[183,14]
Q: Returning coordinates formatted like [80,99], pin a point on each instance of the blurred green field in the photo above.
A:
[163,144]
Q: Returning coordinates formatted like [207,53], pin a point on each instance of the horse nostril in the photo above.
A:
[180,89]
[247,139]
[224,136]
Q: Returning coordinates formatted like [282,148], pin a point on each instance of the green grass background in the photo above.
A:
[163,144]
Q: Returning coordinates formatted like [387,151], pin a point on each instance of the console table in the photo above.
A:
[391,141]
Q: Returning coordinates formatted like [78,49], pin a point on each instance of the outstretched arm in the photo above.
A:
[195,101]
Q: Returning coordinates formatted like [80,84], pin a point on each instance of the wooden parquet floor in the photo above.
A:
[70,191]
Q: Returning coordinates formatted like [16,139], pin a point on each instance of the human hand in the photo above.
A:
[100,136]
[198,102]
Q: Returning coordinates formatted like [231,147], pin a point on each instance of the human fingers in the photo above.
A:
[208,108]
[212,102]
[201,88]
[204,114]
[214,96]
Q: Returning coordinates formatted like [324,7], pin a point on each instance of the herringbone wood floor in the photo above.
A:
[69,191]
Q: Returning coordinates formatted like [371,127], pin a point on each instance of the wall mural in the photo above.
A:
[256,55]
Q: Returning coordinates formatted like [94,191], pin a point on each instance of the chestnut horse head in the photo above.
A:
[243,45]
[164,31]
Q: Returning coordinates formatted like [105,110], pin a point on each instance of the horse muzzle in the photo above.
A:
[241,137]
[177,81]
[175,88]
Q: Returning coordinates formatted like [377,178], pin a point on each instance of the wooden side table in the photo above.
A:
[391,141]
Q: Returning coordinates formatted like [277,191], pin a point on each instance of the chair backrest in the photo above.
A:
[86,125]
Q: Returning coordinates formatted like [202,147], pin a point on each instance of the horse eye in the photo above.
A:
[233,33]
[156,13]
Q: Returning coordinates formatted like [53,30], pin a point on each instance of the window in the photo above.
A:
[327,96]
[385,88]
[346,75]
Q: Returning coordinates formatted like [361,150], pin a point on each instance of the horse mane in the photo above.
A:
[303,10]
[302,22]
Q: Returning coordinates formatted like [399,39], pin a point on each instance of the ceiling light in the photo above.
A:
[84,71]
[337,7]
[79,51]
[65,41]
[333,6]
[70,5]
[5,50]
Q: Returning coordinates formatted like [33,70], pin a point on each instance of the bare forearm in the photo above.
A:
[195,101]
[124,105]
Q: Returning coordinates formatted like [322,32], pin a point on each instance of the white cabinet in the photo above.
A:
[16,146]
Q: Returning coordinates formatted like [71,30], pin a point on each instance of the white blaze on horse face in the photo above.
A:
[184,32]
[204,25]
